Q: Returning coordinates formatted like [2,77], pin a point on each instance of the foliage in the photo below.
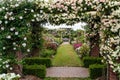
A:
[36,36]
[37,60]
[16,17]
[110,45]
[77,45]
[52,46]
[47,53]
[84,50]
[9,76]
[58,40]
[16,27]
[37,70]
[96,70]
[87,61]
[4,65]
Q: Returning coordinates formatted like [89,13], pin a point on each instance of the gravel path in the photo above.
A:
[65,43]
[78,72]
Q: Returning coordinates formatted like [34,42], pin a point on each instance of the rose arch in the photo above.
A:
[21,22]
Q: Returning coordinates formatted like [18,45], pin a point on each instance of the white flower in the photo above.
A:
[111,62]
[16,33]
[5,17]
[24,44]
[16,5]
[25,11]
[8,37]
[11,18]
[3,7]
[6,22]
[32,20]
[32,10]
[25,38]
[38,14]
[14,48]
[6,8]
[4,48]
[12,29]
[11,68]
[2,28]
[20,17]
[35,15]
[41,11]
[14,43]
[7,66]
[28,50]
[18,75]
[37,19]
[0,22]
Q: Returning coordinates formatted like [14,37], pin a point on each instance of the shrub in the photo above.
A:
[52,46]
[37,70]
[47,53]
[40,61]
[3,71]
[77,45]
[91,60]
[9,76]
[84,50]
[58,41]
[96,70]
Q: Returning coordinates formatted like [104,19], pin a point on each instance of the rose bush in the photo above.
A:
[9,76]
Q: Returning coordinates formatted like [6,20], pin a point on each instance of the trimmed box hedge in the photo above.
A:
[91,60]
[96,70]
[40,61]
[36,70]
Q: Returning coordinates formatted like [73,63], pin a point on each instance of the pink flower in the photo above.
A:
[77,45]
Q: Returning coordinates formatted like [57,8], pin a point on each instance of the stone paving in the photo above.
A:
[78,72]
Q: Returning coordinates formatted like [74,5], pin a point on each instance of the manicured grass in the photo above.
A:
[66,56]
[67,79]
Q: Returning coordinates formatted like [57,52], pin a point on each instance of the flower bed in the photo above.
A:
[9,76]
[77,45]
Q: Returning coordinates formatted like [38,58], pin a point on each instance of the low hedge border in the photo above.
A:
[97,70]
[37,70]
[91,60]
[36,60]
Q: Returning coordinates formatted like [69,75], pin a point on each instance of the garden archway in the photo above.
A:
[17,17]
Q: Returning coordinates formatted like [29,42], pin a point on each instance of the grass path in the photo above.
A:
[66,56]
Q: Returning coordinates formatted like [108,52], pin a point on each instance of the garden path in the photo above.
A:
[67,70]
[78,72]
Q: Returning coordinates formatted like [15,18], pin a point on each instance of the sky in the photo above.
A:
[74,27]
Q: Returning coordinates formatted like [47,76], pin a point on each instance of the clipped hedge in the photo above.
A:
[3,71]
[96,70]
[36,70]
[47,52]
[40,61]
[91,60]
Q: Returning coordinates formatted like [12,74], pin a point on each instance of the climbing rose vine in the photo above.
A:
[16,17]
[110,48]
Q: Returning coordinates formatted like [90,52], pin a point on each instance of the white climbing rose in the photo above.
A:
[24,44]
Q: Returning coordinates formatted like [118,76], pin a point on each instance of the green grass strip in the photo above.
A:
[66,56]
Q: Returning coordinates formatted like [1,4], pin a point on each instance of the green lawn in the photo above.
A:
[66,56]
